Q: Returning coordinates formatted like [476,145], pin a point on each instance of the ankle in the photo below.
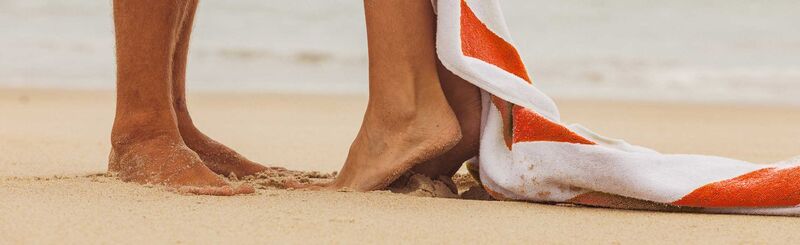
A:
[392,113]
[186,126]
[436,126]
[189,132]
[135,128]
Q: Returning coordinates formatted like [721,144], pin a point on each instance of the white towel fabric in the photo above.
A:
[527,154]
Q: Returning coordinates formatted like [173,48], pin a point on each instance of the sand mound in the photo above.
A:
[476,193]
[423,186]
[283,179]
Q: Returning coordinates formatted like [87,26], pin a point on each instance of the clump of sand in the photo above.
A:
[470,188]
[286,179]
[442,187]
[423,186]
[464,181]
[476,193]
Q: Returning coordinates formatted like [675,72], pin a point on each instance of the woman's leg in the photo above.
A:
[219,158]
[465,99]
[147,147]
[408,119]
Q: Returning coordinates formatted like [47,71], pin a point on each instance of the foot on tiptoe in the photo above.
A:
[465,100]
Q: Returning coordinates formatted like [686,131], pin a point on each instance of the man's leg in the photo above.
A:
[408,120]
[216,156]
[147,147]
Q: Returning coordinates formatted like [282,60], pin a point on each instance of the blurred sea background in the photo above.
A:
[682,50]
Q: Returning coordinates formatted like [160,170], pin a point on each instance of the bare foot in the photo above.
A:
[216,156]
[221,159]
[408,120]
[163,160]
[388,145]
[465,100]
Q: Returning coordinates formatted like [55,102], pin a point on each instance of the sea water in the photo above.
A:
[682,50]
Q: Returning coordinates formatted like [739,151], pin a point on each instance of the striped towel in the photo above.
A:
[527,154]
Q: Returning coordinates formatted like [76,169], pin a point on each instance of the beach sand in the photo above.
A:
[54,143]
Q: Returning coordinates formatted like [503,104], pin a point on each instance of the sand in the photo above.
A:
[54,143]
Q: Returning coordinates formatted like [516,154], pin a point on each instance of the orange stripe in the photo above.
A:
[505,114]
[519,124]
[530,127]
[763,188]
[477,41]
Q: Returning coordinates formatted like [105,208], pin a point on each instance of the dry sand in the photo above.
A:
[52,141]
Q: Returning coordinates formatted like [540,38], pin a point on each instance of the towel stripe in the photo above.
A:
[505,108]
[478,41]
[763,188]
[532,127]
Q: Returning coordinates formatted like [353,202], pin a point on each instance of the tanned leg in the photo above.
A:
[216,156]
[465,99]
[147,147]
[408,120]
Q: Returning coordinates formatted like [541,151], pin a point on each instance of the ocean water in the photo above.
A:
[682,50]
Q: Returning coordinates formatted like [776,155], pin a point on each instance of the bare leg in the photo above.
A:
[217,157]
[465,99]
[147,147]
[408,120]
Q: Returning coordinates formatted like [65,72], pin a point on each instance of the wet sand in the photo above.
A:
[53,143]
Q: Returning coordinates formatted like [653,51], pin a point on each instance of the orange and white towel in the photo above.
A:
[527,153]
